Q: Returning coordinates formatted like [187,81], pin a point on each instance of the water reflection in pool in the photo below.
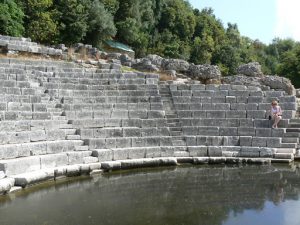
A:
[247,195]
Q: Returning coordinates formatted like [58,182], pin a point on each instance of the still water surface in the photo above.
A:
[248,195]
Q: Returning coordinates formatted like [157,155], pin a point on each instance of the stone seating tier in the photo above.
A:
[11,151]
[170,151]
[26,45]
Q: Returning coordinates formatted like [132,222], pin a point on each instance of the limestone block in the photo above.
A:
[20,165]
[96,143]
[255,99]
[198,151]
[195,114]
[26,179]
[274,142]
[277,132]
[111,165]
[53,160]
[156,114]
[215,114]
[6,184]
[288,106]
[138,142]
[246,131]
[119,154]
[262,123]
[215,140]
[114,132]
[41,116]
[191,140]
[225,87]
[246,141]
[136,153]
[231,141]
[214,151]
[259,142]
[123,142]
[251,106]
[264,106]
[110,143]
[210,131]
[56,147]
[8,152]
[249,152]
[165,141]
[238,87]
[138,114]
[153,152]
[267,152]
[236,114]
[152,141]
[290,98]
[263,132]
[103,154]
[190,130]
[237,106]
[73,170]
[256,114]
[167,151]
[53,135]
[288,114]
[200,160]
[218,99]
[37,148]
[131,132]
[203,140]
[77,157]
[181,154]
[228,131]
[19,138]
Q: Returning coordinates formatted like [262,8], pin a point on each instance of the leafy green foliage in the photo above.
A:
[100,24]
[11,18]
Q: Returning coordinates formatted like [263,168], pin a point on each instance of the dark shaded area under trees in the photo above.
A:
[170,28]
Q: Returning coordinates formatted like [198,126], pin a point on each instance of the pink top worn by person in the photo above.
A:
[276,113]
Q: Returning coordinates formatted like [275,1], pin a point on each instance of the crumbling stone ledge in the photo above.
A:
[28,179]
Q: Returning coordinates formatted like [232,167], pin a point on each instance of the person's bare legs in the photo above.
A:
[276,121]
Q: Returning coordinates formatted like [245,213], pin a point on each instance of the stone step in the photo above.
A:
[291,134]
[295,120]
[283,156]
[293,130]
[175,129]
[70,131]
[290,140]
[176,133]
[81,148]
[288,145]
[73,137]
[66,125]
[90,159]
[285,150]
[178,143]
[168,116]
[294,125]
[59,117]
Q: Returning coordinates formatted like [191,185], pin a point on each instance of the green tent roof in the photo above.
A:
[118,45]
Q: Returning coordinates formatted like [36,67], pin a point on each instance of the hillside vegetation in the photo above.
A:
[170,28]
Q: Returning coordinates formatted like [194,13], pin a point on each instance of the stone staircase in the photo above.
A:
[172,120]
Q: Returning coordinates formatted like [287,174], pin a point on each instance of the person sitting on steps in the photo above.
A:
[276,113]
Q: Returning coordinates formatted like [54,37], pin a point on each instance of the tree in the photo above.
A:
[39,22]
[72,17]
[11,18]
[290,65]
[100,24]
